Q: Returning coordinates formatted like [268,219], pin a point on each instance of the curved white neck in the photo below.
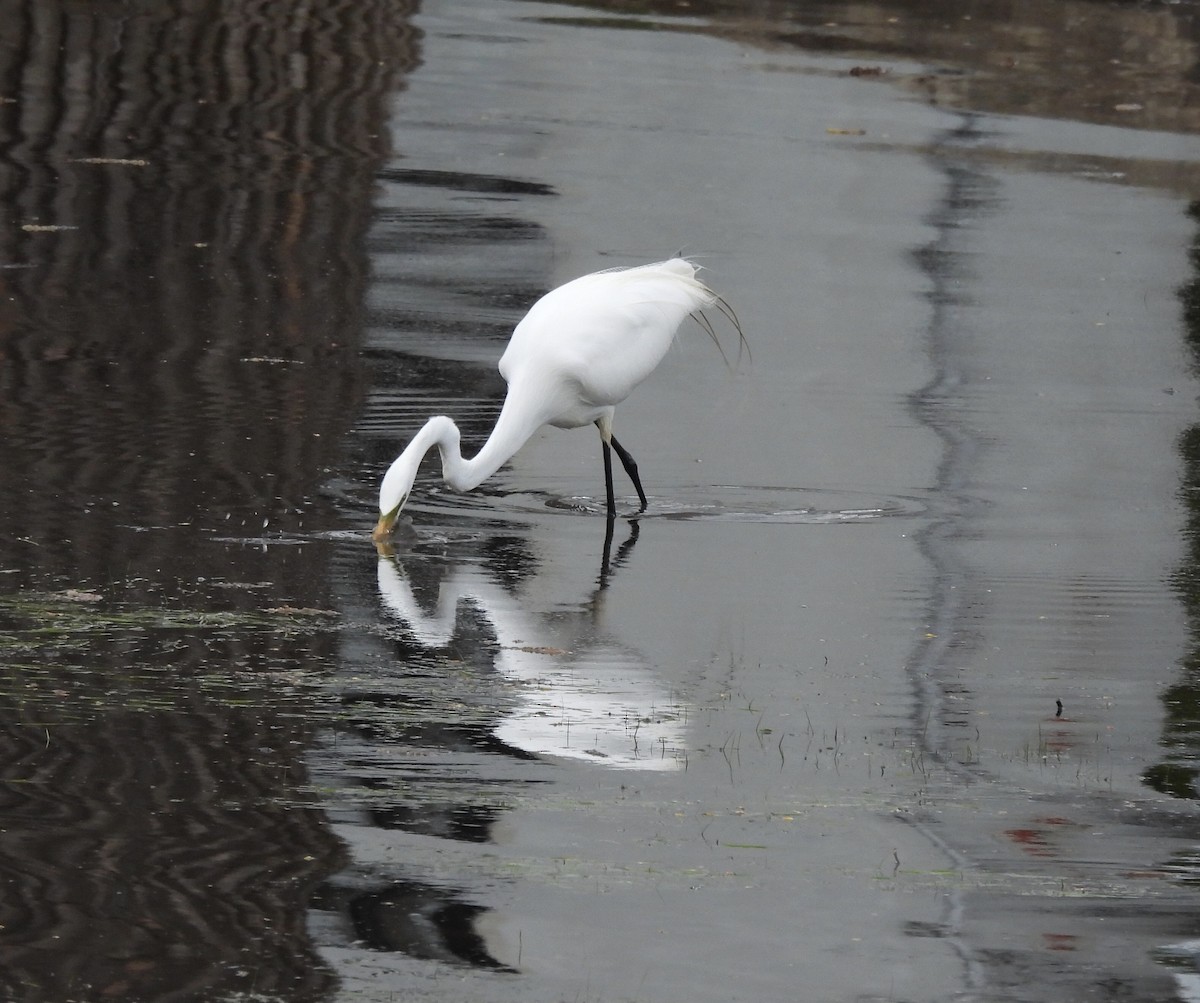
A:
[513,429]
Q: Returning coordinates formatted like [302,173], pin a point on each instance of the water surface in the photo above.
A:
[797,731]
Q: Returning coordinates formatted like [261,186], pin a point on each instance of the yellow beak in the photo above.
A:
[383,528]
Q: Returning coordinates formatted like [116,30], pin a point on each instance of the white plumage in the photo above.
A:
[579,351]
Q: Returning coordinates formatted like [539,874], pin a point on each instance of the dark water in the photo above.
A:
[797,736]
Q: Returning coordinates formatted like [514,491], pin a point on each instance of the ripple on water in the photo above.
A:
[719,503]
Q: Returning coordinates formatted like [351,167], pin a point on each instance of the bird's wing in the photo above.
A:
[606,332]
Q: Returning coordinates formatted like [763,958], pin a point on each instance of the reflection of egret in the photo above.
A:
[577,698]
[579,352]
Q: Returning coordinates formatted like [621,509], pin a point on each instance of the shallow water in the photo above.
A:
[794,732]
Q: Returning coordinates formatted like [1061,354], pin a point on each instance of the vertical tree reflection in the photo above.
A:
[1176,774]
[186,189]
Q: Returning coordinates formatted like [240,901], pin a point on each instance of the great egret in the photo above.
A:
[579,352]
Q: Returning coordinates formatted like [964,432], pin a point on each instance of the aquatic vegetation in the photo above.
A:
[72,653]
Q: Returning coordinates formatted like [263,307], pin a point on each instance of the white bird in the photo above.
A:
[579,352]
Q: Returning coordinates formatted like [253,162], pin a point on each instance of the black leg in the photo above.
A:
[631,468]
[608,482]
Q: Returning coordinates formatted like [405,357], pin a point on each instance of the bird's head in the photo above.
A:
[394,491]
[397,483]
